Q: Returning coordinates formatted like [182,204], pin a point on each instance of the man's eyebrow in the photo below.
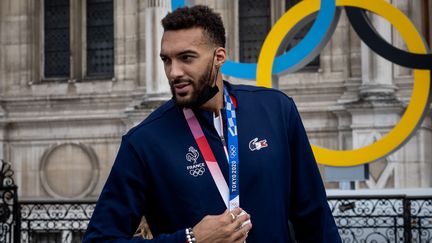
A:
[187,52]
[180,53]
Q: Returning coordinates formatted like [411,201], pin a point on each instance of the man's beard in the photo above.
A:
[202,89]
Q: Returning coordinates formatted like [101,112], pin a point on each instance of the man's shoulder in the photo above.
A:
[256,92]
[155,120]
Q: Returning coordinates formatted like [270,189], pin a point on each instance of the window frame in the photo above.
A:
[426,9]
[77,45]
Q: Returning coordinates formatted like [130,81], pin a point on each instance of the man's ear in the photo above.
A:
[220,55]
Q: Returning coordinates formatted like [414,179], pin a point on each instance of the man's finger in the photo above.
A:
[237,211]
[231,216]
[241,234]
[240,220]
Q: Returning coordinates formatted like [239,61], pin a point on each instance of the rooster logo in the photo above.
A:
[193,155]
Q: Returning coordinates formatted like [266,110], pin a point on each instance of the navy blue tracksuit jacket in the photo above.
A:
[279,183]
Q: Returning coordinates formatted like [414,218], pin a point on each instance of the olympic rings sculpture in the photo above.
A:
[417,57]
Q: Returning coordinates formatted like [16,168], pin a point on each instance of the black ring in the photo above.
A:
[367,33]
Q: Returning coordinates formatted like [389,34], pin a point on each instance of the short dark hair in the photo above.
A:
[197,16]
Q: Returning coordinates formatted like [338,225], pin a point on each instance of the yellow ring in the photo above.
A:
[420,94]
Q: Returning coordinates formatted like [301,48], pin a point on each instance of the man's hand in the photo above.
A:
[223,228]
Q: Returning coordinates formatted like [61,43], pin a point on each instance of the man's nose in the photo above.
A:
[176,71]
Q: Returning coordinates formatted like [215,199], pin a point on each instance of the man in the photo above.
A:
[216,163]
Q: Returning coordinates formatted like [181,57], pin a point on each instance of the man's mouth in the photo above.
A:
[182,87]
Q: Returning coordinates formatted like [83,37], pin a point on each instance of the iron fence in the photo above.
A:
[54,221]
[360,219]
[378,219]
[9,211]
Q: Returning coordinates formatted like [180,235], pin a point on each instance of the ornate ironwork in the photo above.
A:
[421,219]
[6,175]
[56,41]
[54,221]
[383,219]
[100,38]
[359,219]
[9,228]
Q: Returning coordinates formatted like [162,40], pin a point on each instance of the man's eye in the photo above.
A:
[187,58]
[164,59]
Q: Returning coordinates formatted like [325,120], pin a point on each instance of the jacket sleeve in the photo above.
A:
[122,202]
[310,214]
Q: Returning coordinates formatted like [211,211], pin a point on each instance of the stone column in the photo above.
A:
[151,13]
[3,12]
[378,110]
[125,40]
[2,78]
[14,38]
[151,74]
[415,161]
[377,75]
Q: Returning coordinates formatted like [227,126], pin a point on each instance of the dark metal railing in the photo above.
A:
[54,221]
[383,218]
[362,219]
[9,211]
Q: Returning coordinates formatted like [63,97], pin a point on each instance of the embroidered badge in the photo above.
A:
[196,169]
[254,144]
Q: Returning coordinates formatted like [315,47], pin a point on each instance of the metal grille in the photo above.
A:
[383,218]
[54,221]
[9,218]
[100,38]
[363,219]
[56,39]
[254,20]
[46,237]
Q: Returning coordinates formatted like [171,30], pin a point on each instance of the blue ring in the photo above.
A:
[287,60]
[176,4]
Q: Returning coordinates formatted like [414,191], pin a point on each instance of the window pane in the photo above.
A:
[56,39]
[100,38]
[255,23]
[427,20]
[314,64]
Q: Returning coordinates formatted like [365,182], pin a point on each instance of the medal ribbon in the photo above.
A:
[233,158]
[230,195]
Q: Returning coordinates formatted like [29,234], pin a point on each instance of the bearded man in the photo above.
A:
[216,163]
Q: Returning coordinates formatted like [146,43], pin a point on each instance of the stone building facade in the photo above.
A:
[67,95]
